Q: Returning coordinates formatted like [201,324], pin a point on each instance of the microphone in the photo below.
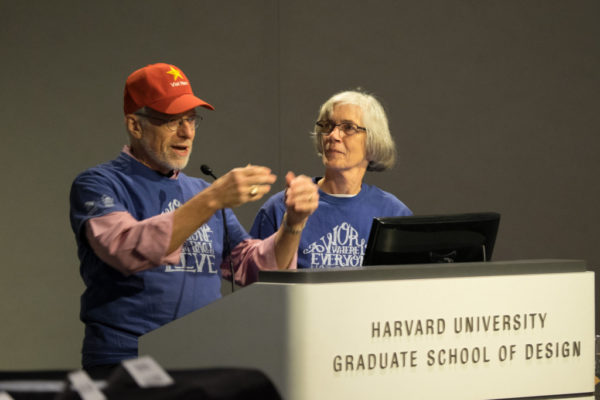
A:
[206,170]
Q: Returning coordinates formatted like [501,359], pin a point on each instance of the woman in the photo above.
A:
[352,136]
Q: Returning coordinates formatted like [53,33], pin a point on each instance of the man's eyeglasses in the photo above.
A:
[348,128]
[174,123]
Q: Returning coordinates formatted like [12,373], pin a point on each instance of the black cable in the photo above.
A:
[206,170]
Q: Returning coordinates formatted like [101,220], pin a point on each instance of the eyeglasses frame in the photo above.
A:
[355,127]
[179,121]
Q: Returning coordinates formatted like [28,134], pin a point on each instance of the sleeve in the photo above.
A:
[269,217]
[101,221]
[129,245]
[403,210]
[251,256]
[92,195]
[263,226]
[394,206]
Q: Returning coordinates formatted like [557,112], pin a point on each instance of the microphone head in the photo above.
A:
[206,170]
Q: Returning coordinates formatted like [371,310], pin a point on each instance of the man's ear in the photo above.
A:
[134,126]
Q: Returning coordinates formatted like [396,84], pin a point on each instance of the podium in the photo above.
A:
[494,330]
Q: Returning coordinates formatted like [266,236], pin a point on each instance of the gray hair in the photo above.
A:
[381,149]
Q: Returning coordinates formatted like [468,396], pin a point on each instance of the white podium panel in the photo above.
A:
[487,336]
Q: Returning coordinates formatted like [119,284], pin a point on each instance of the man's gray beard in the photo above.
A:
[157,160]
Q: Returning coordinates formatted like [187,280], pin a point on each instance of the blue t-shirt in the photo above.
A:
[336,233]
[117,309]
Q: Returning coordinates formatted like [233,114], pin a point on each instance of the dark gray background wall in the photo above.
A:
[493,105]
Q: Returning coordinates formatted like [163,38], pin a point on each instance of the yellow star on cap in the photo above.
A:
[176,74]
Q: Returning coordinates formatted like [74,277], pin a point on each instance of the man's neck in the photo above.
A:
[174,173]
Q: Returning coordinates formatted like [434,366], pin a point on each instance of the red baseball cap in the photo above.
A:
[162,87]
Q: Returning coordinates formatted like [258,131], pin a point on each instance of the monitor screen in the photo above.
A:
[432,239]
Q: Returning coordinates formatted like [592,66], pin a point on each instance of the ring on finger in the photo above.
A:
[253,190]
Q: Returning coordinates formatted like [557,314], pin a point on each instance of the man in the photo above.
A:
[151,239]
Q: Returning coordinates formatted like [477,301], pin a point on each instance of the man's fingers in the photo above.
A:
[241,185]
[258,175]
[289,177]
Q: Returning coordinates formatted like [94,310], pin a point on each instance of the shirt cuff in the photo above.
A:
[251,256]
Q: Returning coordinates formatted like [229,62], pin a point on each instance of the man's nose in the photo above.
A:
[186,129]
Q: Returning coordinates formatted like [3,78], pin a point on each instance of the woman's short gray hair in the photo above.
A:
[381,149]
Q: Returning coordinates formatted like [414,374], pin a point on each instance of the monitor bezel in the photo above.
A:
[478,223]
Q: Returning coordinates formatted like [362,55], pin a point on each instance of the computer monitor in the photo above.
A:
[432,239]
